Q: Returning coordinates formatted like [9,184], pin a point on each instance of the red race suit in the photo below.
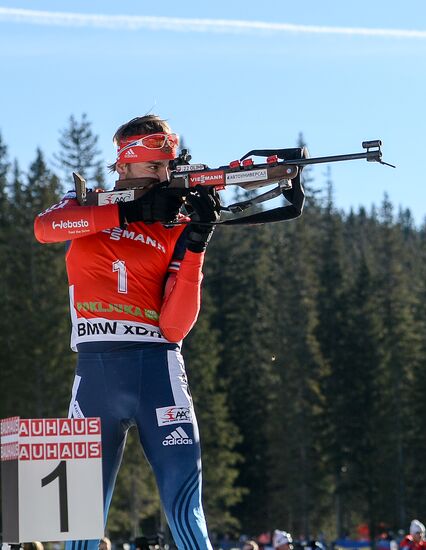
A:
[408,543]
[132,284]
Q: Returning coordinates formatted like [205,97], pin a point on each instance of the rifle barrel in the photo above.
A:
[371,156]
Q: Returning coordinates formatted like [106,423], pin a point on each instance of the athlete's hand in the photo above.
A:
[205,204]
[159,204]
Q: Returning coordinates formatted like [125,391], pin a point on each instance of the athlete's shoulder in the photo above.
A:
[70,195]
[67,200]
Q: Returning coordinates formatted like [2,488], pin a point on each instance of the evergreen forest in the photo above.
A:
[307,364]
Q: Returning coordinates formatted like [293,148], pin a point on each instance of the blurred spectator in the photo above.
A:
[146,543]
[250,545]
[386,541]
[105,544]
[416,539]
[264,540]
[35,545]
[314,545]
[282,540]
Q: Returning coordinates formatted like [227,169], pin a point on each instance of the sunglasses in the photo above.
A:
[135,148]
[156,141]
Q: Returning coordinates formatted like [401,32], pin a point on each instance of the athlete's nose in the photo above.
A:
[164,173]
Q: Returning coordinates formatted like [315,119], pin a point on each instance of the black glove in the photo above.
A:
[205,203]
[159,204]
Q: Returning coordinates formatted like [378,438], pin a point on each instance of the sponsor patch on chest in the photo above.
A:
[116,234]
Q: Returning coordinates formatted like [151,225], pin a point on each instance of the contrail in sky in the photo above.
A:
[137,22]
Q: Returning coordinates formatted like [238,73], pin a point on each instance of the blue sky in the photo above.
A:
[227,90]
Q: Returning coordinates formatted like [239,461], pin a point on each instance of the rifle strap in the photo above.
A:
[282,213]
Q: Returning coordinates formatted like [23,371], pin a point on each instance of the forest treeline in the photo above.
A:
[307,365]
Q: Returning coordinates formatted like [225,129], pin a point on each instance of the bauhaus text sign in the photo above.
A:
[51,479]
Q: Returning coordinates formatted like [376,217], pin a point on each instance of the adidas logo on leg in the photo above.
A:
[177,437]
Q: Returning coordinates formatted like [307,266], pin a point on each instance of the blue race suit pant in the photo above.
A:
[148,388]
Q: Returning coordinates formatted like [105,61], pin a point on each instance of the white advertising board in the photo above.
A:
[51,479]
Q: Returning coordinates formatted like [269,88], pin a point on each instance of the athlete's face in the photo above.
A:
[157,170]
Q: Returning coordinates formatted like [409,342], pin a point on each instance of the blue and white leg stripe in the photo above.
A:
[185,512]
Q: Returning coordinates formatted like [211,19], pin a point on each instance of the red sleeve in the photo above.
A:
[68,220]
[182,300]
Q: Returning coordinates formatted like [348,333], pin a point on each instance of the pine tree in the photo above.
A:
[79,152]
[6,298]
[336,384]
[39,342]
[416,477]
[362,330]
[297,469]
[49,298]
[16,303]
[239,280]
[4,169]
[400,346]
[307,178]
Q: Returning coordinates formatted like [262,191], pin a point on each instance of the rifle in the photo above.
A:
[282,167]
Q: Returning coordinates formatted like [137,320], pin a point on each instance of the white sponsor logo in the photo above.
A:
[189,167]
[70,224]
[61,204]
[76,410]
[130,153]
[92,328]
[177,437]
[115,196]
[202,178]
[173,415]
[116,233]
[98,329]
[253,175]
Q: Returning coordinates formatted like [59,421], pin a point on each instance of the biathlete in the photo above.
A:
[134,286]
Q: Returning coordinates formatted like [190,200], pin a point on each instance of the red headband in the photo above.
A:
[147,147]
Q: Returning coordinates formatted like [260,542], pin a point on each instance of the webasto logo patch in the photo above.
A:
[70,224]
